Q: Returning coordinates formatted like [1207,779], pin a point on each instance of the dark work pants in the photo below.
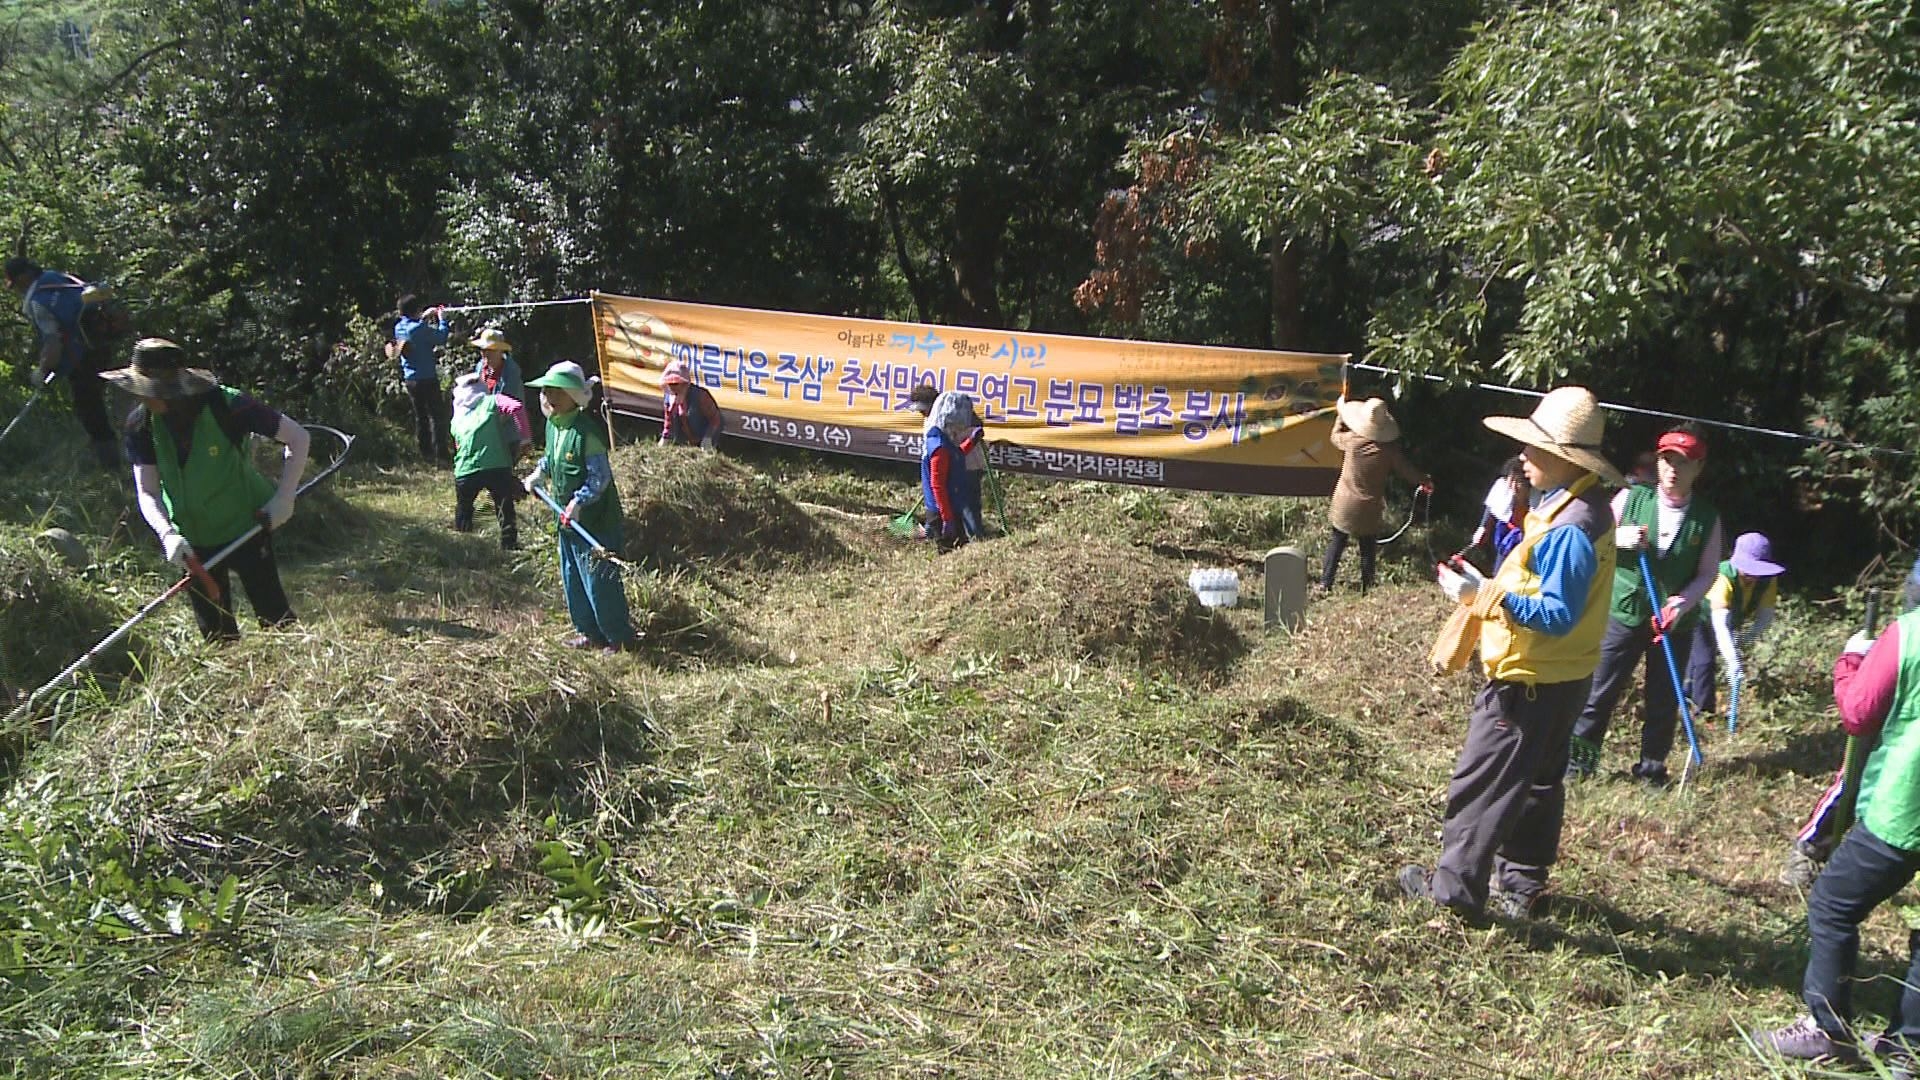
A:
[1507,799]
[430,417]
[1703,654]
[1621,650]
[971,518]
[1337,547]
[501,487]
[259,576]
[89,392]
[1864,872]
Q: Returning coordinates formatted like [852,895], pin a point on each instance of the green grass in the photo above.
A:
[856,811]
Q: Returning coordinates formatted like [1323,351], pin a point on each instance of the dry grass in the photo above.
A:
[684,505]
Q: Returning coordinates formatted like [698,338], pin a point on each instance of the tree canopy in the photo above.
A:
[1706,206]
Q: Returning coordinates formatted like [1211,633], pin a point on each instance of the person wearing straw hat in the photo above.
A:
[1541,617]
[1680,533]
[498,371]
[1876,684]
[1740,606]
[1368,437]
[688,414]
[416,337]
[196,485]
[577,471]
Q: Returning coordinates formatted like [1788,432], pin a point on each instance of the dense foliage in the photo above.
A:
[1697,205]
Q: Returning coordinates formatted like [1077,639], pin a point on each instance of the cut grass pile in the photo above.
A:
[685,505]
[324,755]
[50,613]
[1055,593]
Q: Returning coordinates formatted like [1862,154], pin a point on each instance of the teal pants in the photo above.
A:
[596,597]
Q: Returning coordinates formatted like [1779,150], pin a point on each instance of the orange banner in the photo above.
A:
[1131,412]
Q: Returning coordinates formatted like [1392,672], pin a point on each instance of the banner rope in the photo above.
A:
[516,305]
[1638,411]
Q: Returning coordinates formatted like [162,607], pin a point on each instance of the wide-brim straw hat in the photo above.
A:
[159,370]
[1369,419]
[492,338]
[1568,424]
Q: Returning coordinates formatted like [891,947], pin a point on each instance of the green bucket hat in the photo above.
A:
[566,375]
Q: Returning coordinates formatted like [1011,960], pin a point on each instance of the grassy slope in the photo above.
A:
[832,823]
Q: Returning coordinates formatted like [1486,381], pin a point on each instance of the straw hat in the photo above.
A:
[1568,424]
[159,370]
[1369,419]
[491,338]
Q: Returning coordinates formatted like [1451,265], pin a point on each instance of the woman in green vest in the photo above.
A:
[1680,534]
[1876,684]
[576,469]
[489,433]
[196,484]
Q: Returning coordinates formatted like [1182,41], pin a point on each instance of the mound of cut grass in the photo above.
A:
[322,755]
[1050,595]
[683,504]
[49,614]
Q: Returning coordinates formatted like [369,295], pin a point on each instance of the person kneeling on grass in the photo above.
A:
[1876,684]
[1540,617]
[196,486]
[576,469]
[490,433]
[942,470]
[688,414]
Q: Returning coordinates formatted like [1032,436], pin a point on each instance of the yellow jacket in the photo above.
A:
[1512,652]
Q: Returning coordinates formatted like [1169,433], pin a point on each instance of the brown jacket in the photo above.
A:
[1359,500]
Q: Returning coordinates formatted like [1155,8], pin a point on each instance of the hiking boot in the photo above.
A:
[1519,907]
[1803,865]
[1583,759]
[1417,884]
[1652,773]
[1803,1040]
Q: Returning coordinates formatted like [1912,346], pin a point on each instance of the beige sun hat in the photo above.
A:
[1568,424]
[159,370]
[492,338]
[1369,419]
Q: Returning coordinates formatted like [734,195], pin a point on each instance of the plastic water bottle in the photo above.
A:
[1215,588]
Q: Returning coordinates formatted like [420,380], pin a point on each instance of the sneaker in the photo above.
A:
[582,641]
[1652,773]
[1583,759]
[1803,1040]
[1801,868]
[1417,884]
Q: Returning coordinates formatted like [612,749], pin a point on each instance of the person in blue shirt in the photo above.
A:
[415,338]
[52,302]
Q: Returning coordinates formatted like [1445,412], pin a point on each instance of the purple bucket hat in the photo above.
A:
[1753,556]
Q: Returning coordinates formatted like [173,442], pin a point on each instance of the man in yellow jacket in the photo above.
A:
[1542,615]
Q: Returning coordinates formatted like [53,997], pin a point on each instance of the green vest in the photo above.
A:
[478,444]
[1893,814]
[1671,571]
[570,442]
[212,498]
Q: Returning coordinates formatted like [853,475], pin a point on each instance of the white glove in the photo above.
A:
[531,481]
[707,443]
[175,548]
[1859,643]
[1459,588]
[1630,537]
[279,509]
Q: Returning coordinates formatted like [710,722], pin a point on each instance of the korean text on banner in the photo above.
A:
[1133,412]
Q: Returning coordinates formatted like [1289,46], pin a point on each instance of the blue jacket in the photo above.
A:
[418,339]
[939,442]
[54,307]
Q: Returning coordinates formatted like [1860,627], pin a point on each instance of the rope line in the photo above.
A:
[518,304]
[1638,411]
